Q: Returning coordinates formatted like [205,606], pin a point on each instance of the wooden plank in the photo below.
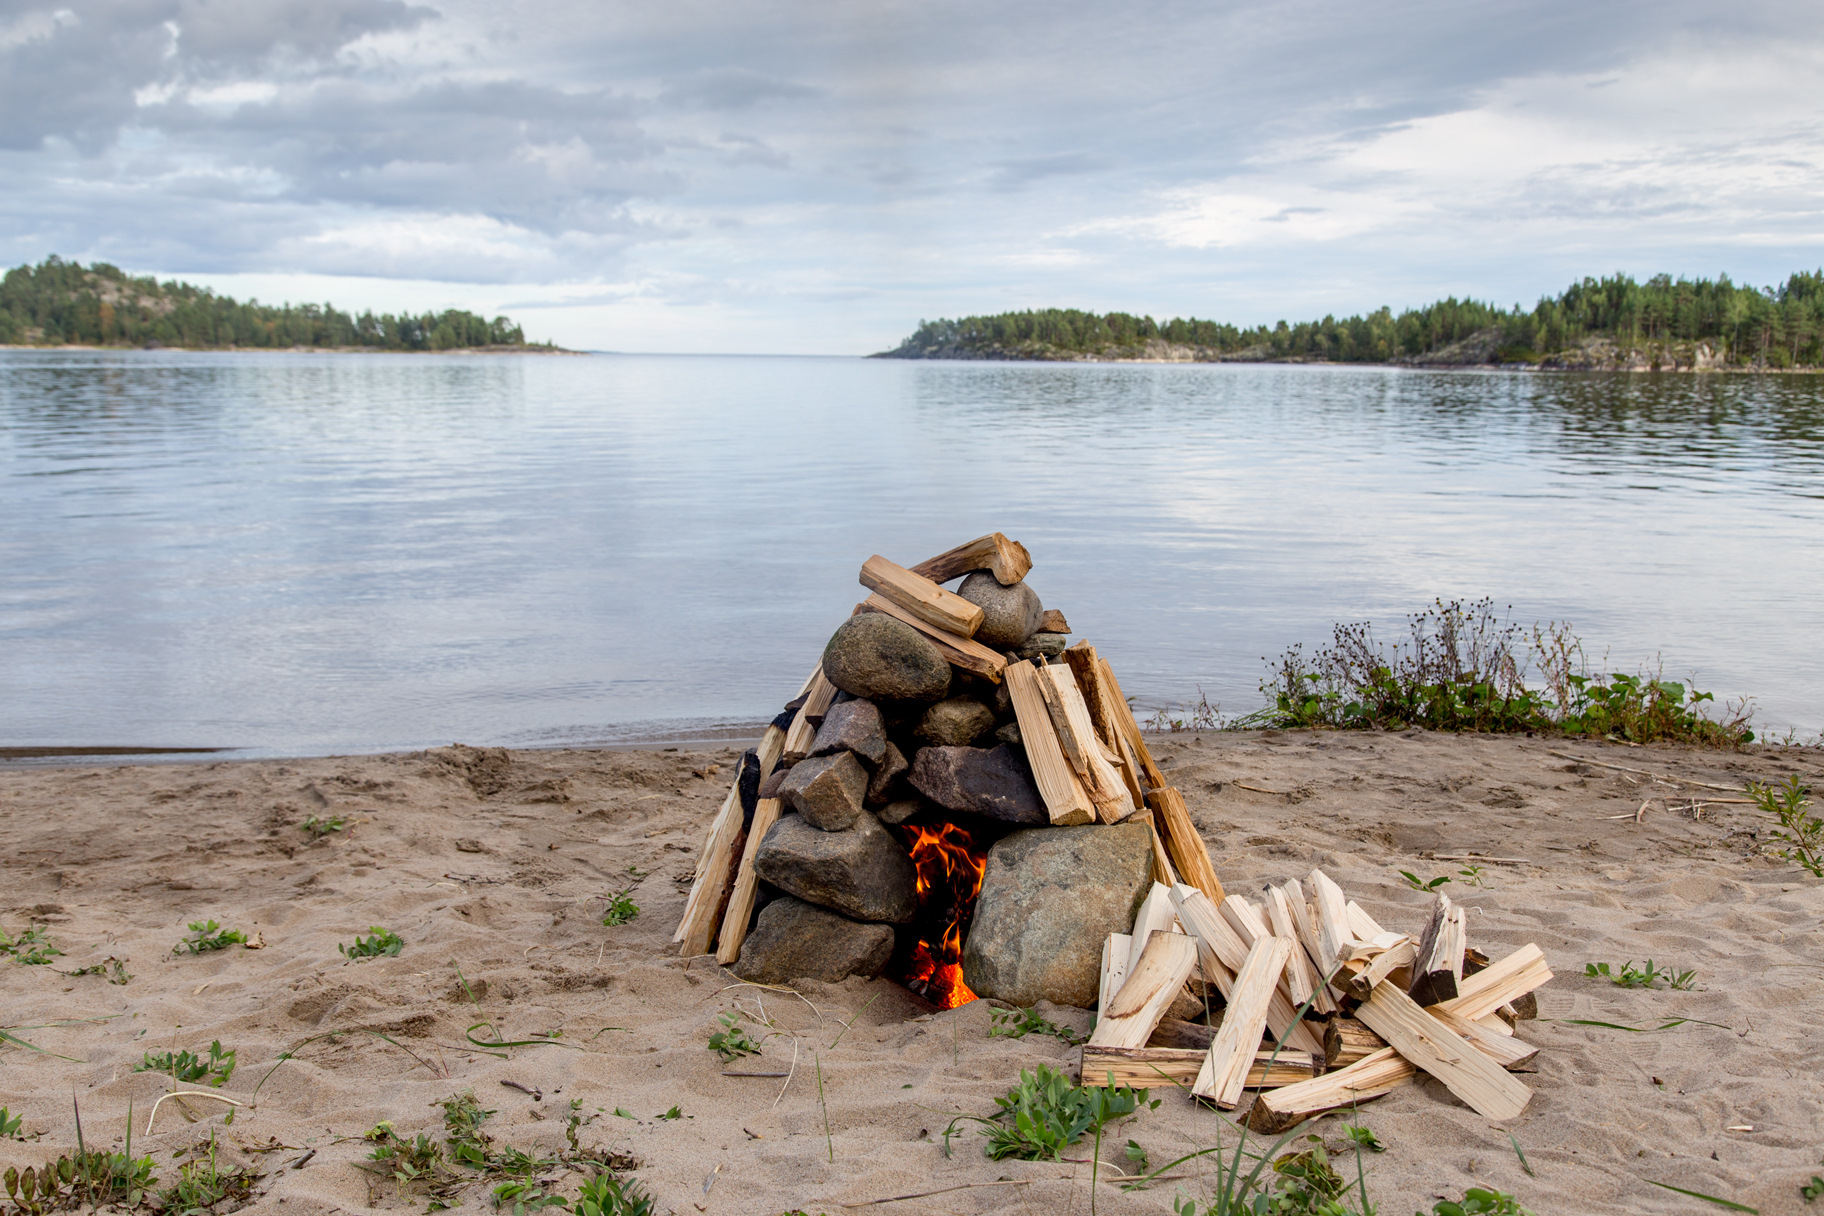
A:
[1427,1043]
[1279,1110]
[1361,924]
[921,597]
[1066,801]
[1148,991]
[966,653]
[1302,979]
[817,698]
[1130,730]
[747,883]
[1333,932]
[1144,1067]
[1437,964]
[1225,1067]
[1157,913]
[702,910]
[1251,927]
[1006,559]
[1182,843]
[1499,983]
[1086,666]
[1052,621]
[1305,919]
[1102,782]
[1115,953]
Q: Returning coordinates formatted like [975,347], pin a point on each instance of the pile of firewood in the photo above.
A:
[1321,1006]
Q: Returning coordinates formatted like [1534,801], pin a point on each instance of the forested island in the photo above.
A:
[58,303]
[1597,324]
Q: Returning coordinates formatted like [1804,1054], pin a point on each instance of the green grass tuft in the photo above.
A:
[187,1069]
[381,943]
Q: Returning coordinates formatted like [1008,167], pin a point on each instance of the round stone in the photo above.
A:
[876,657]
[1009,614]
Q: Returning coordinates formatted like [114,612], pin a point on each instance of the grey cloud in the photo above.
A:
[732,89]
[1019,172]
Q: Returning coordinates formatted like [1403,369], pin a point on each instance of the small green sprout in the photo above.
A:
[32,948]
[1422,884]
[1018,1023]
[188,1069]
[319,827]
[732,1041]
[381,943]
[206,935]
[621,908]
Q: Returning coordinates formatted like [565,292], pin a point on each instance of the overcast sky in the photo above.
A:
[692,176]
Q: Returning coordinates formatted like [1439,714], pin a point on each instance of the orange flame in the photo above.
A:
[949,878]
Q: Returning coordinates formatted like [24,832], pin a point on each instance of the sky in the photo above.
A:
[815,179]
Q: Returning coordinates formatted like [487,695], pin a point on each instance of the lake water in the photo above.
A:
[300,553]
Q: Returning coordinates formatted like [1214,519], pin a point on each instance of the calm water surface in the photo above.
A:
[302,553]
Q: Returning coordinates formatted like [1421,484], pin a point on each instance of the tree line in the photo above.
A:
[1776,327]
[58,302]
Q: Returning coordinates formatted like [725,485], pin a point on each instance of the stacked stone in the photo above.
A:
[908,734]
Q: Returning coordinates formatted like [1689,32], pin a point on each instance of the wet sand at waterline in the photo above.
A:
[502,868]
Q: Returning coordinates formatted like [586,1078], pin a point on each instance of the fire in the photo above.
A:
[949,878]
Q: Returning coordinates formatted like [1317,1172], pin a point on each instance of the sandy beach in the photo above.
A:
[499,865]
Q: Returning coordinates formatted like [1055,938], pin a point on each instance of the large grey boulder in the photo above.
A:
[991,781]
[863,873]
[955,722]
[794,940]
[873,655]
[827,790]
[1050,898]
[1009,614]
[853,726]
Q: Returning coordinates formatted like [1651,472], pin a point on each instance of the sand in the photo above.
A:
[501,866]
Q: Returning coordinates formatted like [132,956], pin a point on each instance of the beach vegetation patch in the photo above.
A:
[32,947]
[10,1125]
[1649,975]
[606,1195]
[319,826]
[184,1068]
[1045,1114]
[732,1042]
[113,969]
[202,1186]
[621,908]
[1802,832]
[206,936]
[380,942]
[1481,1201]
[1018,1023]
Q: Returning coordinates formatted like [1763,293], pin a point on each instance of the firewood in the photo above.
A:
[1115,953]
[1437,968]
[1150,775]
[1487,990]
[1066,801]
[1183,844]
[1333,931]
[1087,668]
[1362,925]
[1361,974]
[1170,1032]
[966,653]
[1304,918]
[1148,991]
[1226,953]
[1157,914]
[1279,1110]
[1100,779]
[1428,1044]
[1231,1053]
[921,597]
[1052,621]
[1302,977]
[1150,1067]
[1346,1040]
[747,884]
[1162,864]
[1504,1049]
[817,697]
[1006,559]
[717,859]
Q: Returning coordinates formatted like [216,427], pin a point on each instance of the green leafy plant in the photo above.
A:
[187,1069]
[1018,1023]
[1647,976]
[10,1125]
[1046,1114]
[732,1041]
[319,827]
[33,947]
[606,1195]
[676,1112]
[621,908]
[202,1184]
[1480,1201]
[381,942]
[206,936]
[1305,1184]
[1422,884]
[115,969]
[91,1177]
[1812,1190]
[1803,833]
[1136,1155]
[1364,1137]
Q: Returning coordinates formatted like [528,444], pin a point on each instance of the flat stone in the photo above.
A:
[1009,614]
[863,873]
[885,781]
[1046,645]
[983,781]
[793,940]
[1050,898]
[955,722]
[827,790]
[852,726]
[901,809]
[875,656]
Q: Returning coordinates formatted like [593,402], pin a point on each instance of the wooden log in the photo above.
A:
[1279,1110]
[1333,932]
[1487,990]
[1251,927]
[1170,1032]
[1157,914]
[966,653]
[1182,843]
[1052,621]
[1437,965]
[1162,864]
[1225,1067]
[747,884]
[921,597]
[1360,975]
[1226,953]
[1504,1049]
[1149,990]
[1144,1067]
[1151,777]
[717,858]
[1305,919]
[1086,666]
[1361,924]
[1116,952]
[1427,1043]
[1006,559]
[1347,1040]
[1100,779]
[1066,801]
[817,697]
[1302,980]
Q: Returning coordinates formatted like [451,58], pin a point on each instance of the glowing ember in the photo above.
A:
[949,878]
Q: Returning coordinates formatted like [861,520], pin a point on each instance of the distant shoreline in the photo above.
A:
[529,349]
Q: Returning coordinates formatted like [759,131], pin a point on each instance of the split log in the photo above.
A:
[1302,979]
[1428,1044]
[1364,926]
[1361,974]
[1115,954]
[1304,919]
[1144,1067]
[1157,914]
[1100,778]
[1148,991]
[1346,1040]
[1333,932]
[1504,1049]
[1162,864]
[1170,1032]
[1052,621]
[1006,559]
[966,653]
[1279,1110]
[1251,926]
[1231,1054]
[747,883]
[1182,843]
[1086,666]
[1437,967]
[921,597]
[1150,775]
[1224,954]
[1487,990]
[718,860]
[797,743]
[1066,801]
